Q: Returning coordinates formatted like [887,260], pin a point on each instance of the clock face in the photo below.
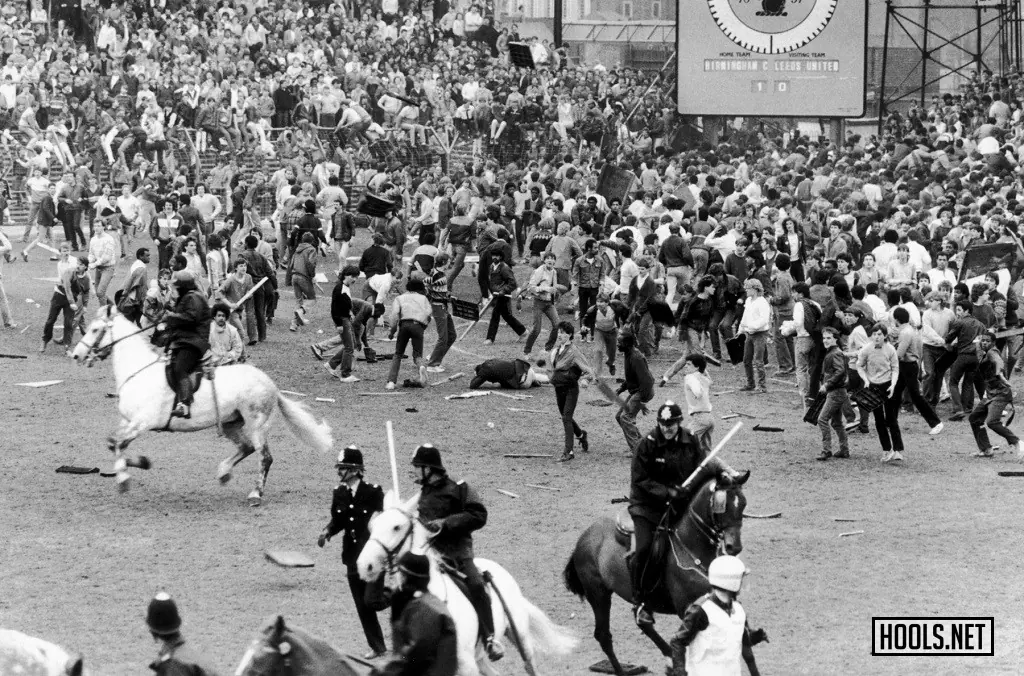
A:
[772,26]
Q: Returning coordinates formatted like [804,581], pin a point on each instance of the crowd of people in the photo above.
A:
[847,265]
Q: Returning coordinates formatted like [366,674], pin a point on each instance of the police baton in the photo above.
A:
[700,468]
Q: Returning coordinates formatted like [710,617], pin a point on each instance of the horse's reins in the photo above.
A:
[712,533]
[104,352]
[392,553]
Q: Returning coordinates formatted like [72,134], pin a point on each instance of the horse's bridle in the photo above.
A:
[281,667]
[392,552]
[102,353]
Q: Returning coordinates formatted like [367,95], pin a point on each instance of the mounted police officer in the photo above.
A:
[664,459]
[174,658]
[424,633]
[188,338]
[453,510]
[355,501]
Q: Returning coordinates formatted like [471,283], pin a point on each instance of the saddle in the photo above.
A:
[624,530]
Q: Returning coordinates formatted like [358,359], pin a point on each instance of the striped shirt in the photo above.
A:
[437,292]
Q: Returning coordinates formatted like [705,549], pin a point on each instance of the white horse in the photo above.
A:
[398,529]
[31,656]
[244,408]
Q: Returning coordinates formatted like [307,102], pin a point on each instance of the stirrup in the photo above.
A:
[182,411]
[642,616]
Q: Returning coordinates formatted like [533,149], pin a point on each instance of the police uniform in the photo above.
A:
[175,658]
[350,513]
[459,511]
[661,465]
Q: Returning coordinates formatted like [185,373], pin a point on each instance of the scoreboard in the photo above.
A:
[765,58]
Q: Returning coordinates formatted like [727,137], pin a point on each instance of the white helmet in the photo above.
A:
[726,572]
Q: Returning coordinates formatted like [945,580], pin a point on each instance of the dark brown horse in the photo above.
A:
[598,565]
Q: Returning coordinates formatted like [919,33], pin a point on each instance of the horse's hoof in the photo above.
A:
[143,462]
[123,481]
[255,499]
[224,478]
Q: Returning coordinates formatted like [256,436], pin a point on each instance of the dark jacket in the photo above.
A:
[425,642]
[376,260]
[502,280]
[638,378]
[461,231]
[341,305]
[259,268]
[833,370]
[661,463]
[462,512]
[351,513]
[181,660]
[188,323]
[675,252]
[47,212]
[343,226]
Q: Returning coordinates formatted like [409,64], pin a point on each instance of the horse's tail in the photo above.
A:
[546,636]
[315,434]
[572,578]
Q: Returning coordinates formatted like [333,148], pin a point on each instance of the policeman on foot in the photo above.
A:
[355,501]
[664,459]
[714,635]
[453,510]
[174,657]
[424,634]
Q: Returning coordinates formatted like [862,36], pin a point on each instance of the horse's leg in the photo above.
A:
[600,599]
[126,433]
[233,430]
[662,644]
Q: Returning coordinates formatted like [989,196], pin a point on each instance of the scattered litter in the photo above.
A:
[29,300]
[845,520]
[783,381]
[730,416]
[108,475]
[543,488]
[516,397]
[852,532]
[531,410]
[41,383]
[13,356]
[112,395]
[47,247]
[294,394]
[767,428]
[454,376]
[528,455]
[1012,472]
[287,559]
[381,394]
[490,425]
[745,415]
[468,395]
[325,399]
[605,667]
[25,329]
[71,469]
[52,280]
[773,515]
[508,493]
[320,278]
[599,402]
[718,394]
[412,410]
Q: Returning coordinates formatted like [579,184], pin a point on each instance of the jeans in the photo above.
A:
[588,298]
[783,344]
[754,351]
[887,420]
[458,262]
[931,385]
[33,214]
[445,333]
[483,273]
[102,280]
[501,309]
[72,222]
[804,353]
[606,348]
[720,328]
[676,277]
[541,309]
[988,413]
[962,373]
[408,331]
[831,418]
[701,424]
[566,398]
[5,308]
[59,304]
[626,417]
[344,356]
[908,382]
